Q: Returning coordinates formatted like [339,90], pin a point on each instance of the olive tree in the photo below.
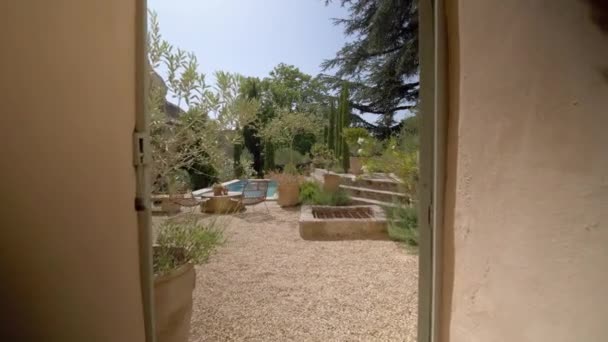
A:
[284,128]
[179,138]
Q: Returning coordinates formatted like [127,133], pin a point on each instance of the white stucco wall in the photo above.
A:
[526,249]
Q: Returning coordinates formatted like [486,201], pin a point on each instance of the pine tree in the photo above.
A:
[381,62]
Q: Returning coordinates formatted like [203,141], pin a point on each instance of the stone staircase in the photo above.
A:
[379,190]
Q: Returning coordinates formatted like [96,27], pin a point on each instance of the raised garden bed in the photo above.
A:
[363,222]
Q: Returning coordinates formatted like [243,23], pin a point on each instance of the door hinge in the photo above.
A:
[141,156]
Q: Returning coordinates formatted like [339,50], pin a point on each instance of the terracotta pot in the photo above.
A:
[356,166]
[331,182]
[173,304]
[289,194]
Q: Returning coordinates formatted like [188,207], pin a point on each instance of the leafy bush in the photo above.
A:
[182,240]
[246,164]
[304,142]
[322,156]
[397,159]
[202,175]
[353,134]
[291,169]
[312,194]
[403,224]
[284,156]
[339,198]
[308,191]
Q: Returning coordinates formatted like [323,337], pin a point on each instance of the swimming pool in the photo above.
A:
[238,187]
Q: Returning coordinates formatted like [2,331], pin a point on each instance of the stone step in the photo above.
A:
[374,184]
[367,201]
[378,195]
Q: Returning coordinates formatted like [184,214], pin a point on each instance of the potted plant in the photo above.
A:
[219,190]
[180,245]
[177,186]
[322,156]
[331,179]
[356,139]
[288,186]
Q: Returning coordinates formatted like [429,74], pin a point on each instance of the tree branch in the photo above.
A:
[371,110]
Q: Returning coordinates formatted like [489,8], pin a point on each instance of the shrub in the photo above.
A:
[291,169]
[202,175]
[284,156]
[308,191]
[322,156]
[403,224]
[340,198]
[286,177]
[399,160]
[353,134]
[312,194]
[194,239]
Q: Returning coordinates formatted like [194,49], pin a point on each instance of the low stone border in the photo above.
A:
[343,228]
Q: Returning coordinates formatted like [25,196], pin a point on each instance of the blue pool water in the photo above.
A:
[238,186]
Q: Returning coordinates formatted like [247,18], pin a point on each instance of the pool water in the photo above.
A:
[238,187]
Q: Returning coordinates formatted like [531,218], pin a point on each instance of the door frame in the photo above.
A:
[141,162]
[433,133]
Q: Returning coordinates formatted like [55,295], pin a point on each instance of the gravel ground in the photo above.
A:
[267,284]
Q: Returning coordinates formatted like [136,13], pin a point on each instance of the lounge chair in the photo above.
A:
[254,192]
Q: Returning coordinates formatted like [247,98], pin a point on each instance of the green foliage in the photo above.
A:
[308,191]
[380,62]
[290,169]
[237,149]
[291,89]
[338,198]
[354,134]
[345,156]
[303,142]
[176,141]
[342,150]
[246,165]
[396,159]
[403,224]
[202,175]
[284,156]
[196,240]
[399,156]
[322,156]
[311,193]
[253,143]
[283,129]
[269,163]
[331,140]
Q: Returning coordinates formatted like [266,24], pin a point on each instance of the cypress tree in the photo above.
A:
[344,122]
[237,167]
[339,127]
[331,134]
[269,156]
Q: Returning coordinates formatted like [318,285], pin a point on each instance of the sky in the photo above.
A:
[251,37]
